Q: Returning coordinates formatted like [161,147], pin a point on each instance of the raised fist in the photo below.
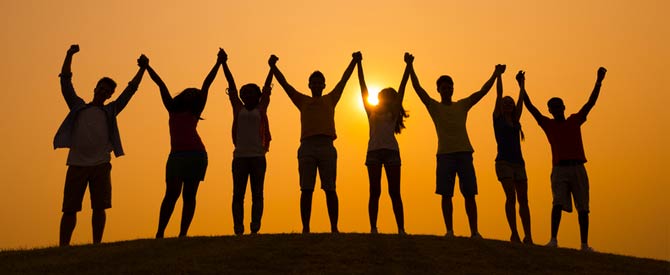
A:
[73,49]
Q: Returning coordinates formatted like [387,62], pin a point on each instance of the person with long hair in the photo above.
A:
[251,137]
[187,162]
[386,119]
[510,166]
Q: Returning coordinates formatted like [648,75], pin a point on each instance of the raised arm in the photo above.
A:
[521,79]
[165,93]
[292,93]
[594,94]
[267,86]
[211,75]
[66,87]
[361,82]
[403,82]
[233,94]
[339,88]
[497,108]
[425,98]
[129,91]
[476,96]
[519,101]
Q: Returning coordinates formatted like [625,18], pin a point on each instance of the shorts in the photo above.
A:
[99,180]
[386,157]
[317,153]
[186,166]
[510,170]
[570,182]
[452,164]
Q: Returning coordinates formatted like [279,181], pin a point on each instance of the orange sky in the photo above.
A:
[559,44]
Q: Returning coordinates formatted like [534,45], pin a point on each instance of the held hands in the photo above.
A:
[500,69]
[601,74]
[143,61]
[409,58]
[273,60]
[73,49]
[357,56]
[222,56]
[521,77]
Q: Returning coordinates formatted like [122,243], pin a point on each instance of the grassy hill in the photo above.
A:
[320,253]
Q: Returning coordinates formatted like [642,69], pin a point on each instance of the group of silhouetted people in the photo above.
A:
[90,131]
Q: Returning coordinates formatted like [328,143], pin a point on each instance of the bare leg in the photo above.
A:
[393,178]
[375,177]
[67,223]
[555,220]
[584,226]
[190,192]
[172,192]
[524,210]
[306,209]
[471,211]
[510,207]
[98,221]
[447,210]
[333,209]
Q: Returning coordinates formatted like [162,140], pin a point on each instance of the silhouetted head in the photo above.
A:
[556,107]
[317,82]
[250,95]
[189,100]
[445,86]
[386,96]
[104,89]
[507,106]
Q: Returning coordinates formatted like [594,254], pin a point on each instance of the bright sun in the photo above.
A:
[372,94]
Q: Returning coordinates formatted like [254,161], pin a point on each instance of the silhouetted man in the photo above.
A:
[454,151]
[91,132]
[316,152]
[568,175]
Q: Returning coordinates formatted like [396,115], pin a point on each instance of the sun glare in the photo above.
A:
[372,95]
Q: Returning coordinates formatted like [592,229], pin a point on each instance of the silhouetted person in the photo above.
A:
[510,166]
[568,175]
[454,152]
[386,119]
[251,136]
[187,162]
[316,152]
[91,132]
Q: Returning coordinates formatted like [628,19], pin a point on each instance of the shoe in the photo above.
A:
[587,248]
[402,233]
[450,234]
[552,243]
[515,238]
[528,240]
[476,236]
[374,231]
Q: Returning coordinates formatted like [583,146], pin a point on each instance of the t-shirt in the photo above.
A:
[449,121]
[183,133]
[382,131]
[90,138]
[317,115]
[248,134]
[508,139]
[565,138]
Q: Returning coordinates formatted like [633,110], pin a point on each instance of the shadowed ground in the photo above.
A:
[320,253]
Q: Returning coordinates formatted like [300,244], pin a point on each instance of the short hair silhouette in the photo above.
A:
[108,81]
[444,78]
[317,74]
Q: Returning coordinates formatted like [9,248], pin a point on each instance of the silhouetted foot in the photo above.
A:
[334,231]
[374,231]
[402,232]
[476,236]
[450,234]
[528,240]
[305,230]
[587,248]
[159,235]
[552,243]
[515,238]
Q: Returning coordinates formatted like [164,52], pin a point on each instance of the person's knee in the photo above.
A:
[583,214]
[257,196]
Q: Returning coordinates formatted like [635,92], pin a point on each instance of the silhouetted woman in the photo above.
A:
[187,162]
[510,167]
[386,119]
[251,136]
